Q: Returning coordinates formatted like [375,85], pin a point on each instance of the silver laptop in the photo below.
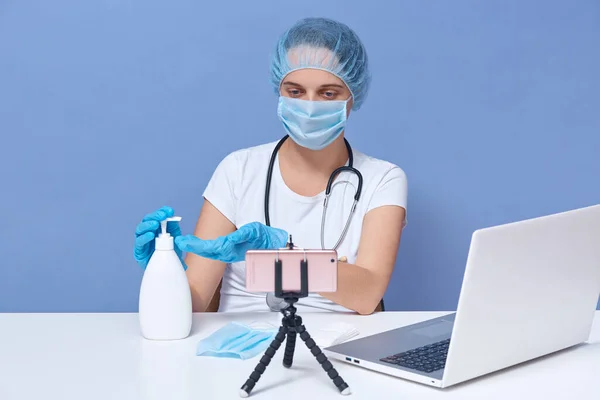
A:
[530,288]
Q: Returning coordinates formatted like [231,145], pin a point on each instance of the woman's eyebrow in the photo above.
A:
[332,85]
[288,83]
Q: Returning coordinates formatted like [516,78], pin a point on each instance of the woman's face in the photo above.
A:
[315,85]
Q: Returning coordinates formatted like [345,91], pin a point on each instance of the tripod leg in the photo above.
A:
[264,362]
[290,344]
[322,359]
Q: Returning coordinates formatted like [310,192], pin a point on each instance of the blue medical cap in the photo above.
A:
[322,43]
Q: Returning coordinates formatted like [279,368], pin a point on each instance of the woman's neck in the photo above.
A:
[306,171]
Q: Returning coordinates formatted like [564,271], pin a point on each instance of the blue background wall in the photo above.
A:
[110,109]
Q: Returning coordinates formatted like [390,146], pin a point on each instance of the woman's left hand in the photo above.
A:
[233,247]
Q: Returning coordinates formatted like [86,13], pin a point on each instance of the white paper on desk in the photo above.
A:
[332,334]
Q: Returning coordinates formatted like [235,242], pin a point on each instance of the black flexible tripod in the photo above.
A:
[291,325]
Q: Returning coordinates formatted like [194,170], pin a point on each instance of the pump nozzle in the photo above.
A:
[163,225]
[164,241]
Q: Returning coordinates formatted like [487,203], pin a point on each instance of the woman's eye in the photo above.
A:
[294,92]
[329,95]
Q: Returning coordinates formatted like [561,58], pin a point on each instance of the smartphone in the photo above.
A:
[322,270]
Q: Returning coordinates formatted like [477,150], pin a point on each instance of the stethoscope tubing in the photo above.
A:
[349,168]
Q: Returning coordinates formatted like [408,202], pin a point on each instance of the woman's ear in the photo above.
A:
[349,107]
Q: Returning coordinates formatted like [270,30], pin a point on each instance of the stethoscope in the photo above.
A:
[274,303]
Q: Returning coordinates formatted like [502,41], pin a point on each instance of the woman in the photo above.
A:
[320,72]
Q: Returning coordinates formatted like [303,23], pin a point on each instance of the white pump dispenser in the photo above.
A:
[165,306]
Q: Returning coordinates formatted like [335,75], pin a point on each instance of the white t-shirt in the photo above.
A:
[237,190]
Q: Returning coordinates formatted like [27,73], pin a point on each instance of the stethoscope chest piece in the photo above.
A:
[275,304]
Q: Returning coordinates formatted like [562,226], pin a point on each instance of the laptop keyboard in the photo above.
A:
[426,359]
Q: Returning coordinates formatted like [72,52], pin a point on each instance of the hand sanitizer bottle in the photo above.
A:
[165,307]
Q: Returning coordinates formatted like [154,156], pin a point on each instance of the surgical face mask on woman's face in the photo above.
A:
[312,124]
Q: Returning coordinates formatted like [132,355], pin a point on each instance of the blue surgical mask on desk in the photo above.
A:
[236,340]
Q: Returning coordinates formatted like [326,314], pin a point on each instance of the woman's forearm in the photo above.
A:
[361,286]
[204,276]
[358,288]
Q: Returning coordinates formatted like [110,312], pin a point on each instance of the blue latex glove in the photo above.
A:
[148,229]
[233,247]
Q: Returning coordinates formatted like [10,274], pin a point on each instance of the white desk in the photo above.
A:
[103,357]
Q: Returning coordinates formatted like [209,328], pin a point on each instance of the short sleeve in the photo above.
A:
[221,189]
[392,190]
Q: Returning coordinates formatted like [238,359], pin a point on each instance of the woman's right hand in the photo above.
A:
[233,247]
[148,229]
